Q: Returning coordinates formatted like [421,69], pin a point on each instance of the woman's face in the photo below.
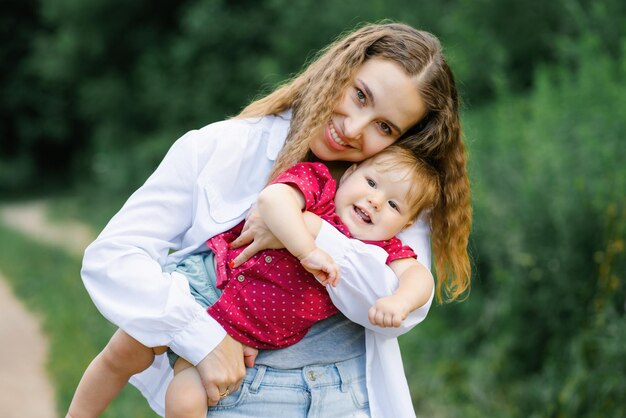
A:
[380,103]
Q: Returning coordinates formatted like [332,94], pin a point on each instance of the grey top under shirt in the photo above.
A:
[332,340]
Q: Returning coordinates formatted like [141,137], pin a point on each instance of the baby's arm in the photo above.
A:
[280,206]
[415,287]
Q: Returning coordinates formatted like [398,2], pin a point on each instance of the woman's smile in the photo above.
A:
[334,138]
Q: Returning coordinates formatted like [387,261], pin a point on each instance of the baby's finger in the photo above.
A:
[322,277]
[332,279]
[372,314]
[387,320]
[335,275]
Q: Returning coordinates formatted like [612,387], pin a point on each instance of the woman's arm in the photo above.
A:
[365,277]
[123,269]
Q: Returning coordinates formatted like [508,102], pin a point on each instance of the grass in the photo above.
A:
[47,280]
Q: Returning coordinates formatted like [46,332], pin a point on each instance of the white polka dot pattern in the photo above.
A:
[271,301]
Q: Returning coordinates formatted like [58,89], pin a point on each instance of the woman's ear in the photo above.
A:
[348,172]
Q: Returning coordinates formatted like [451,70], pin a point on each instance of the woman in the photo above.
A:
[380,85]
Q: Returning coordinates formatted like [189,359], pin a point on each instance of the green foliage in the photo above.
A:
[95,92]
[540,333]
[34,115]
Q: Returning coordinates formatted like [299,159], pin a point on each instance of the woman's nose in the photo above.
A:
[354,126]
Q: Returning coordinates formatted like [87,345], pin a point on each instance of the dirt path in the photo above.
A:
[25,388]
[30,218]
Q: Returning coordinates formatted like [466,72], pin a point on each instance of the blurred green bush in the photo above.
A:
[95,92]
[542,333]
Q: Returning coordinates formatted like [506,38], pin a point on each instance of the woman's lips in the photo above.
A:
[333,139]
[334,135]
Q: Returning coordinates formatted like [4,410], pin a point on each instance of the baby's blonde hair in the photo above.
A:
[313,94]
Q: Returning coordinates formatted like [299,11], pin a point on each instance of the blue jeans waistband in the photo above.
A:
[341,373]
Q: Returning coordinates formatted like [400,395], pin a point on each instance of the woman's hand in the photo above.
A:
[257,235]
[223,369]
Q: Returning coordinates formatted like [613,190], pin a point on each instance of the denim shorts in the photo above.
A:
[199,269]
[335,390]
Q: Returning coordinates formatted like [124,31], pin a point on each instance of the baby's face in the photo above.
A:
[373,203]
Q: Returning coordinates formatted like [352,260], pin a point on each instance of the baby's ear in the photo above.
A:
[408,224]
[348,172]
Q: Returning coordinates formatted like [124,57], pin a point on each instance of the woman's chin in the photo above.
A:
[323,153]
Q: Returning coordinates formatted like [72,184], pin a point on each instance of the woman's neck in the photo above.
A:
[336,168]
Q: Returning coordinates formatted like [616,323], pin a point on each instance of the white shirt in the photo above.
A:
[204,186]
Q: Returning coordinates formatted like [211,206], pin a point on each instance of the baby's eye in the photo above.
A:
[394,205]
[360,96]
[386,128]
[371,183]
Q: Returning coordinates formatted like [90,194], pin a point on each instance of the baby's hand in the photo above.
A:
[389,311]
[322,266]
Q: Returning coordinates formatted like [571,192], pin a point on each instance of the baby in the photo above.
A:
[271,300]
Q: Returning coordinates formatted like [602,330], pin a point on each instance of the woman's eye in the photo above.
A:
[386,128]
[360,96]
[371,183]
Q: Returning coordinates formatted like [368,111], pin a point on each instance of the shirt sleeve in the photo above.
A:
[315,183]
[397,250]
[123,268]
[365,277]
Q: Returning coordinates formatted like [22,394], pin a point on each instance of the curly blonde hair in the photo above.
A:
[437,138]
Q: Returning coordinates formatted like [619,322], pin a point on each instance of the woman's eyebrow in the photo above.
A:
[373,100]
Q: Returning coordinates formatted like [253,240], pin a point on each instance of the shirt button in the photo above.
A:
[268,259]
[240,278]
[312,375]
